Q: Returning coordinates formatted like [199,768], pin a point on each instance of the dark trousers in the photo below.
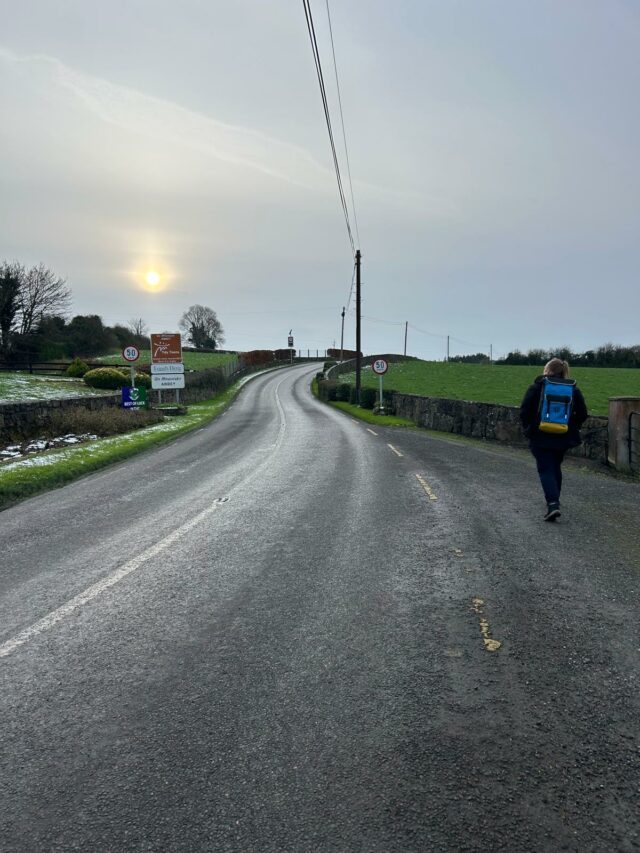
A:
[549,471]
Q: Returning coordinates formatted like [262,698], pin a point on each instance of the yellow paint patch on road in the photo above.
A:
[426,487]
[397,452]
[371,431]
[490,644]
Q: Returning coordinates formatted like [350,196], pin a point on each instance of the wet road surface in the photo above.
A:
[292,631]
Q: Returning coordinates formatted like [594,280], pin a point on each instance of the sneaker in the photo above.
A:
[553,512]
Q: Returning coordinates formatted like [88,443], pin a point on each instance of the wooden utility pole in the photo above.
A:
[447,347]
[358,325]
[342,336]
[406,328]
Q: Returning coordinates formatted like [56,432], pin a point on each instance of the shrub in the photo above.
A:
[343,392]
[353,396]
[106,377]
[113,378]
[326,390]
[102,422]
[77,368]
[258,356]
[329,363]
[319,376]
[368,397]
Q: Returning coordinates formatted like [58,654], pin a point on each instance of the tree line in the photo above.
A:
[34,324]
[607,355]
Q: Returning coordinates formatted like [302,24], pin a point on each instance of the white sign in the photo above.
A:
[161,381]
[167,368]
[380,366]
[131,353]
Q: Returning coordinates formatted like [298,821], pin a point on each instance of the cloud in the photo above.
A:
[170,123]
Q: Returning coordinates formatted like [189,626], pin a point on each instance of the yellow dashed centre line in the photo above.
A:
[371,431]
[397,452]
[490,644]
[426,487]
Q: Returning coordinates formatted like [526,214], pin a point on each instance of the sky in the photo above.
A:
[493,150]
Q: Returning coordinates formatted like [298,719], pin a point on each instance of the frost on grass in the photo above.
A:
[19,386]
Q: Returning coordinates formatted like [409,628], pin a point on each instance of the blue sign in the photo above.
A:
[134,398]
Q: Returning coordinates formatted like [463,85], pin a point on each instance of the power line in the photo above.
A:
[353,281]
[325,104]
[344,135]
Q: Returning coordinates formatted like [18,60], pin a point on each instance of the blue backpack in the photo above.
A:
[556,398]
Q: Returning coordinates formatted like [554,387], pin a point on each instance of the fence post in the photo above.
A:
[620,409]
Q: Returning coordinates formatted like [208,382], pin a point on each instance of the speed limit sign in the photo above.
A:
[380,366]
[131,353]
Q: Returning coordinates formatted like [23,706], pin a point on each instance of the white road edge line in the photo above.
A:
[371,431]
[96,589]
[397,452]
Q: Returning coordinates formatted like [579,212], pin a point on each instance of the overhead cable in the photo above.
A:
[344,134]
[323,93]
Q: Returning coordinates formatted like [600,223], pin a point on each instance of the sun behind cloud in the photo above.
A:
[152,278]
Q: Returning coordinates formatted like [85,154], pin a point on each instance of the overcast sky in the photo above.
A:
[493,149]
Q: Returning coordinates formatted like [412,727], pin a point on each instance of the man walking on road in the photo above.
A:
[549,448]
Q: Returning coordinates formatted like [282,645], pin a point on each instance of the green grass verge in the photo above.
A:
[191,360]
[27,477]
[497,383]
[366,414]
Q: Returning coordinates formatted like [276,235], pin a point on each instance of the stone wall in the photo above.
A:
[490,421]
[23,420]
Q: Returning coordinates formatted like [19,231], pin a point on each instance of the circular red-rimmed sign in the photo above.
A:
[380,366]
[131,353]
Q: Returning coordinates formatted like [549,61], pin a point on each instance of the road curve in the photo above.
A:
[292,631]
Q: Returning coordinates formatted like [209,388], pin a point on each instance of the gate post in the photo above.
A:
[620,408]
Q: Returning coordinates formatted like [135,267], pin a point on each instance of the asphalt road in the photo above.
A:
[289,631]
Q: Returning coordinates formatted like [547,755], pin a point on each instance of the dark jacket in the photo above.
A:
[530,419]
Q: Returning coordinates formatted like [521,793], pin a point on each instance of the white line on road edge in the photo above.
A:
[96,589]
[397,452]
[371,431]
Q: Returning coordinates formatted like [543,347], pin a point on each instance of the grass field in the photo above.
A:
[504,384]
[16,387]
[192,360]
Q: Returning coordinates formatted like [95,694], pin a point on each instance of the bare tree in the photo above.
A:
[202,326]
[138,327]
[42,293]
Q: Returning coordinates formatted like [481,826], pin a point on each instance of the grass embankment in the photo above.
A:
[366,414]
[497,383]
[191,360]
[32,475]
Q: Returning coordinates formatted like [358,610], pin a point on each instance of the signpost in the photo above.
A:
[290,343]
[131,354]
[167,369]
[166,348]
[134,398]
[380,367]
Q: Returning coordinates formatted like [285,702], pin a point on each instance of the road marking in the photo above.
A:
[397,452]
[371,431]
[426,487]
[457,552]
[489,644]
[96,589]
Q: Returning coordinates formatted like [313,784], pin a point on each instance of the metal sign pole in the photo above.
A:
[381,403]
